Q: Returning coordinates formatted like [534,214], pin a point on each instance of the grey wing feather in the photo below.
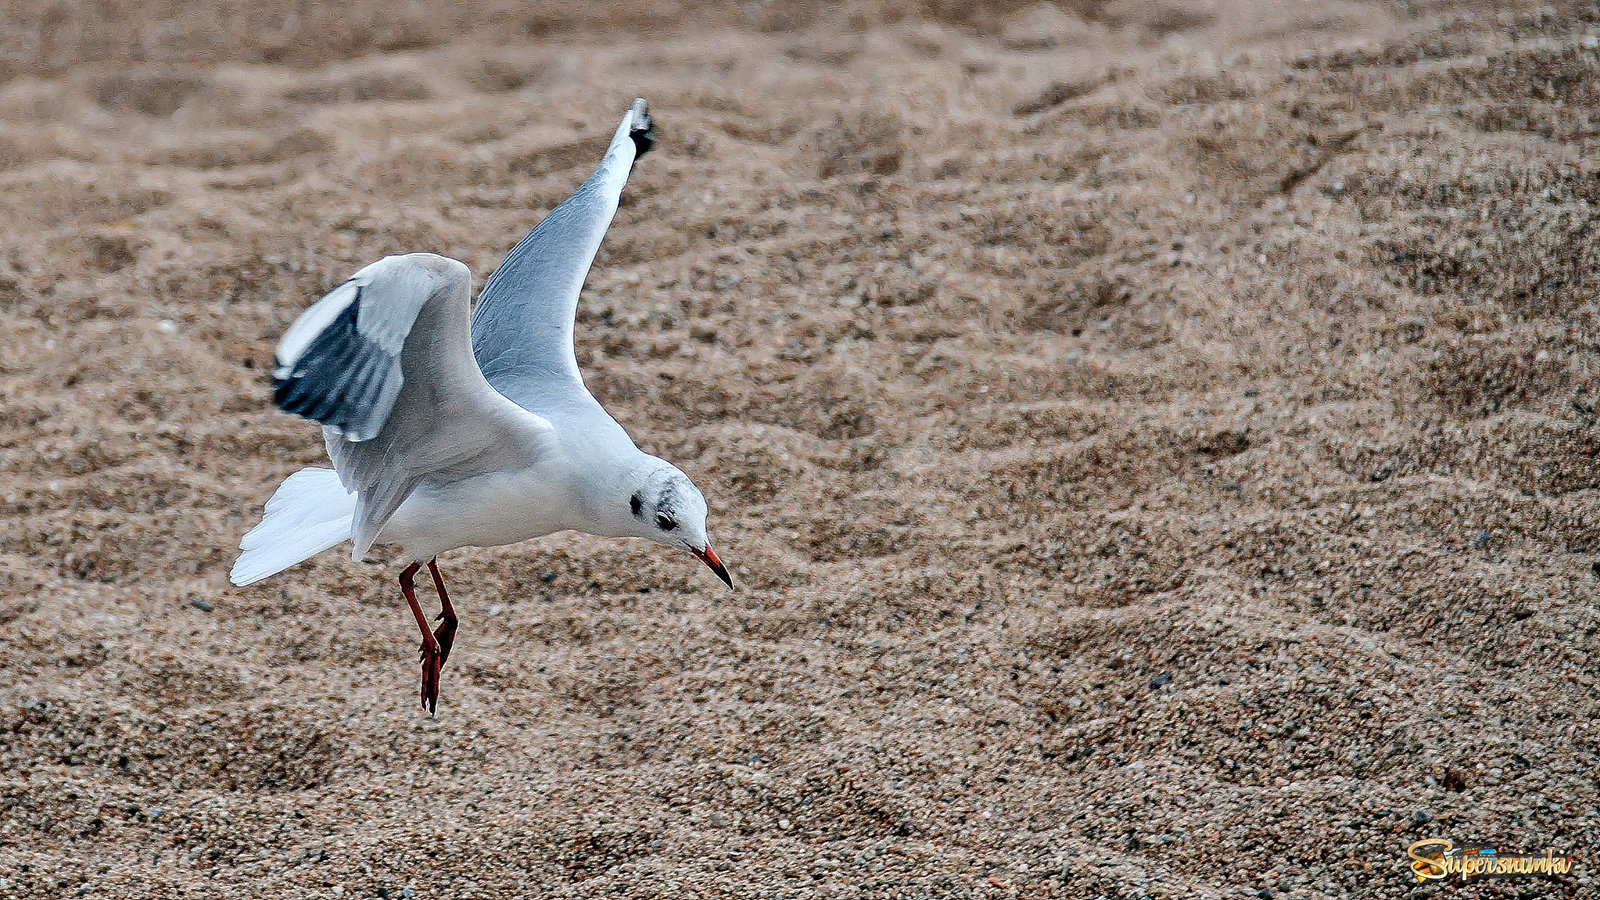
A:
[337,366]
[522,328]
[384,362]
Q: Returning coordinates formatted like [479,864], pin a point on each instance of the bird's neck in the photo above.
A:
[604,492]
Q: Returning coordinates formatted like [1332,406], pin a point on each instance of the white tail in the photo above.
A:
[310,512]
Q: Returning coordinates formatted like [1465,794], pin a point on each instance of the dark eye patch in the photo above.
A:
[665,523]
[636,503]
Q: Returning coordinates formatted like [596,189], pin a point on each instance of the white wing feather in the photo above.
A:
[385,363]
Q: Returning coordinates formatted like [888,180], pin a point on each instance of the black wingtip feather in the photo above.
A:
[337,377]
[643,131]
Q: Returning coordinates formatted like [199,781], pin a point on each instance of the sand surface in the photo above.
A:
[1156,444]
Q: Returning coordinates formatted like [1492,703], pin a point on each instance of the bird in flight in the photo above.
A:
[448,429]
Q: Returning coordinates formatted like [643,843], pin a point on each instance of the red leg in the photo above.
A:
[431,658]
[445,634]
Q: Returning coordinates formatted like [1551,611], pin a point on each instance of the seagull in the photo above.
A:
[447,430]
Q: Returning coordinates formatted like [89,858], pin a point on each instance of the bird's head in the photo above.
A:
[665,506]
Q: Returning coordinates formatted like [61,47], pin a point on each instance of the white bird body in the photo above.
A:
[489,509]
[448,429]
[501,506]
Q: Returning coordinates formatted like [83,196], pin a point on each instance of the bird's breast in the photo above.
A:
[486,510]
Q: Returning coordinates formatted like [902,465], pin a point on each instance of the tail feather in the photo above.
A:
[310,512]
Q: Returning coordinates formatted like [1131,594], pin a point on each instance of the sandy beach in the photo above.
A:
[1155,444]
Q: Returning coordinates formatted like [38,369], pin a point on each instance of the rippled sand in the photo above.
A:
[1156,444]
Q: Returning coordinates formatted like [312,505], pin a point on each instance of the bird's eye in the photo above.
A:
[664,523]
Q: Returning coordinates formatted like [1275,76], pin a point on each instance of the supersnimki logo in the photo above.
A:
[1438,858]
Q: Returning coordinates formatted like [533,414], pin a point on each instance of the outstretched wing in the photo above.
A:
[385,363]
[522,328]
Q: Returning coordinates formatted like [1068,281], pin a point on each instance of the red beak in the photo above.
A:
[710,559]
